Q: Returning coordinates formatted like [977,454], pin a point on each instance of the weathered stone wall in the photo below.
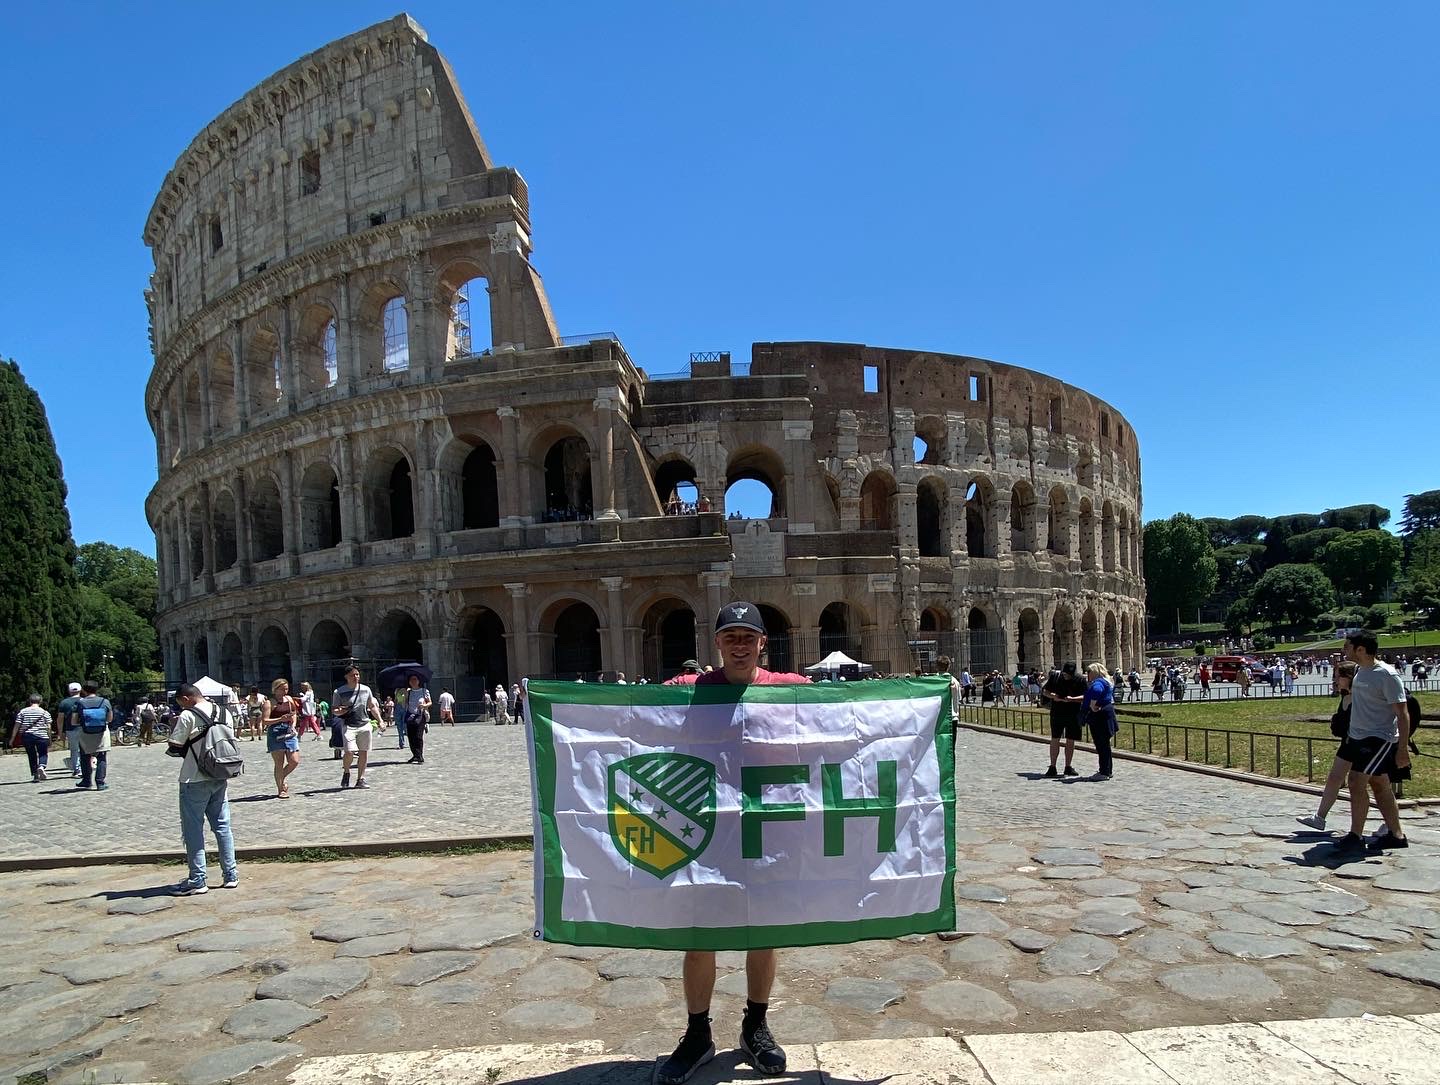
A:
[346,470]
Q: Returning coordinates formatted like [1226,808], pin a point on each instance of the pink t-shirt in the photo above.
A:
[762,678]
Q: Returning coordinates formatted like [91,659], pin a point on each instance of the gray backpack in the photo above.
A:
[217,753]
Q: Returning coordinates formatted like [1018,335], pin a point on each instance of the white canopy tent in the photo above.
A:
[836,662]
[213,690]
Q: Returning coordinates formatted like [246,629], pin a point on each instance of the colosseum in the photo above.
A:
[375,444]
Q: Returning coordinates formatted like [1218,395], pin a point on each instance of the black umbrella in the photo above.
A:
[393,677]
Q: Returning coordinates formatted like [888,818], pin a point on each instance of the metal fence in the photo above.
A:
[1229,691]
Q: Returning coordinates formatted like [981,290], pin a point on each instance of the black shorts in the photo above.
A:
[1373,757]
[1068,727]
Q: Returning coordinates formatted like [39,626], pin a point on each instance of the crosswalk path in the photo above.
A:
[1332,1051]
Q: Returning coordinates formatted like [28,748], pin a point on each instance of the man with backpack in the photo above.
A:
[93,714]
[202,735]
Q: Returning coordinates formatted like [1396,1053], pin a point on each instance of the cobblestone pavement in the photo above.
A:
[475,782]
[1160,898]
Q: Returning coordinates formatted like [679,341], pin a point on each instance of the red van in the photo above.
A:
[1227,668]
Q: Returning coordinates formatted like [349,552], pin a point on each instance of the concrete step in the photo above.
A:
[1332,1051]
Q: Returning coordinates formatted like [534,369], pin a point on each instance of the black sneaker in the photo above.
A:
[1350,844]
[1070,771]
[692,1053]
[761,1051]
[1385,841]
[345,780]
[1050,772]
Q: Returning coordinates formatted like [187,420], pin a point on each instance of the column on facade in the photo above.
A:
[518,635]
[1000,521]
[425,351]
[186,438]
[799,497]
[710,471]
[427,481]
[347,360]
[352,516]
[847,449]
[907,528]
[242,378]
[299,657]
[249,652]
[290,355]
[182,523]
[604,406]
[207,536]
[615,622]
[244,548]
[716,583]
[290,513]
[207,407]
[515,508]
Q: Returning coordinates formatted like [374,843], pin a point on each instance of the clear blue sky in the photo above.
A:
[1221,218]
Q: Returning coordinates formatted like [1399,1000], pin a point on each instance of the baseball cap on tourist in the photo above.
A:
[690,665]
[73,687]
[739,616]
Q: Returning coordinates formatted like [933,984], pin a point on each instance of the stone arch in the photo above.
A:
[462,291]
[779,645]
[985,640]
[932,432]
[264,369]
[383,328]
[315,348]
[227,535]
[232,660]
[567,491]
[389,494]
[483,650]
[877,502]
[200,654]
[223,419]
[1022,516]
[1112,641]
[328,652]
[931,518]
[671,474]
[1090,638]
[266,520]
[272,654]
[979,518]
[759,464]
[194,411]
[196,541]
[1058,532]
[839,629]
[319,508]
[172,427]
[1062,636]
[1028,643]
[573,628]
[1107,537]
[398,638]
[667,637]
[1087,535]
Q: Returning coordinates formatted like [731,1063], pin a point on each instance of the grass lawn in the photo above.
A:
[1205,732]
[1424,638]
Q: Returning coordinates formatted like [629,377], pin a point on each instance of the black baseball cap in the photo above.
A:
[739,616]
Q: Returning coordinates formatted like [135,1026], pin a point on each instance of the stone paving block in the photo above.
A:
[979,891]
[193,968]
[974,921]
[1107,924]
[1070,1058]
[140,905]
[910,968]
[1416,965]
[629,963]
[470,934]
[231,1062]
[466,991]
[957,1000]
[1336,940]
[1284,912]
[269,1019]
[1255,946]
[312,984]
[381,945]
[111,1073]
[169,927]
[1231,1053]
[549,1016]
[104,966]
[427,967]
[551,978]
[1370,1051]
[235,941]
[1029,941]
[1077,955]
[364,925]
[633,994]
[1362,927]
[1237,983]
[1067,857]
[57,1029]
[929,1060]
[1168,947]
[1411,881]
[1062,995]
[864,995]
[981,955]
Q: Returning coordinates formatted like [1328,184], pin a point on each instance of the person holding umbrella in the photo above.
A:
[410,681]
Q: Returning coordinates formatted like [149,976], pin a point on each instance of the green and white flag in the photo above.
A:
[726,817]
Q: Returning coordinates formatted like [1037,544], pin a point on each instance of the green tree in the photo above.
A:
[1303,548]
[1239,567]
[1240,616]
[1180,570]
[1356,517]
[1293,595]
[1420,528]
[126,575]
[39,620]
[112,628]
[1362,562]
[1421,593]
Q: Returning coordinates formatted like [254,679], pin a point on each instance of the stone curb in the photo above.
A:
[1191,766]
[420,846]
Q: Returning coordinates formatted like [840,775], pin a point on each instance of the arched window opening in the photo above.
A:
[753,485]
[568,494]
[194,417]
[277,366]
[986,645]
[676,489]
[222,394]
[398,639]
[482,644]
[329,358]
[267,528]
[1028,645]
[329,655]
[577,642]
[667,639]
[1087,536]
[837,632]
[1022,517]
[1112,642]
[1058,529]
[934,620]
[1062,637]
[479,490]
[920,449]
[319,508]
[395,335]
[226,540]
[201,655]
[232,660]
[877,502]
[1089,639]
[930,441]
[469,320]
[977,522]
[930,519]
[402,502]
[197,548]
[272,656]
[388,495]
[1107,536]
[779,649]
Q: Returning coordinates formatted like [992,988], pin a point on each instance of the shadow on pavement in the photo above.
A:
[128,894]
[73,789]
[1325,854]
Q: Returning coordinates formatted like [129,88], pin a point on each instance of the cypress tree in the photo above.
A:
[40,646]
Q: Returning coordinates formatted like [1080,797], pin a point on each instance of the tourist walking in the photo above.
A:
[202,798]
[1098,710]
[1064,690]
[282,740]
[355,706]
[95,716]
[502,706]
[1377,745]
[1340,728]
[446,702]
[308,719]
[255,712]
[35,728]
[68,719]
[416,718]
[967,685]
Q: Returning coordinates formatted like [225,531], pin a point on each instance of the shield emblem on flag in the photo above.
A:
[662,809]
